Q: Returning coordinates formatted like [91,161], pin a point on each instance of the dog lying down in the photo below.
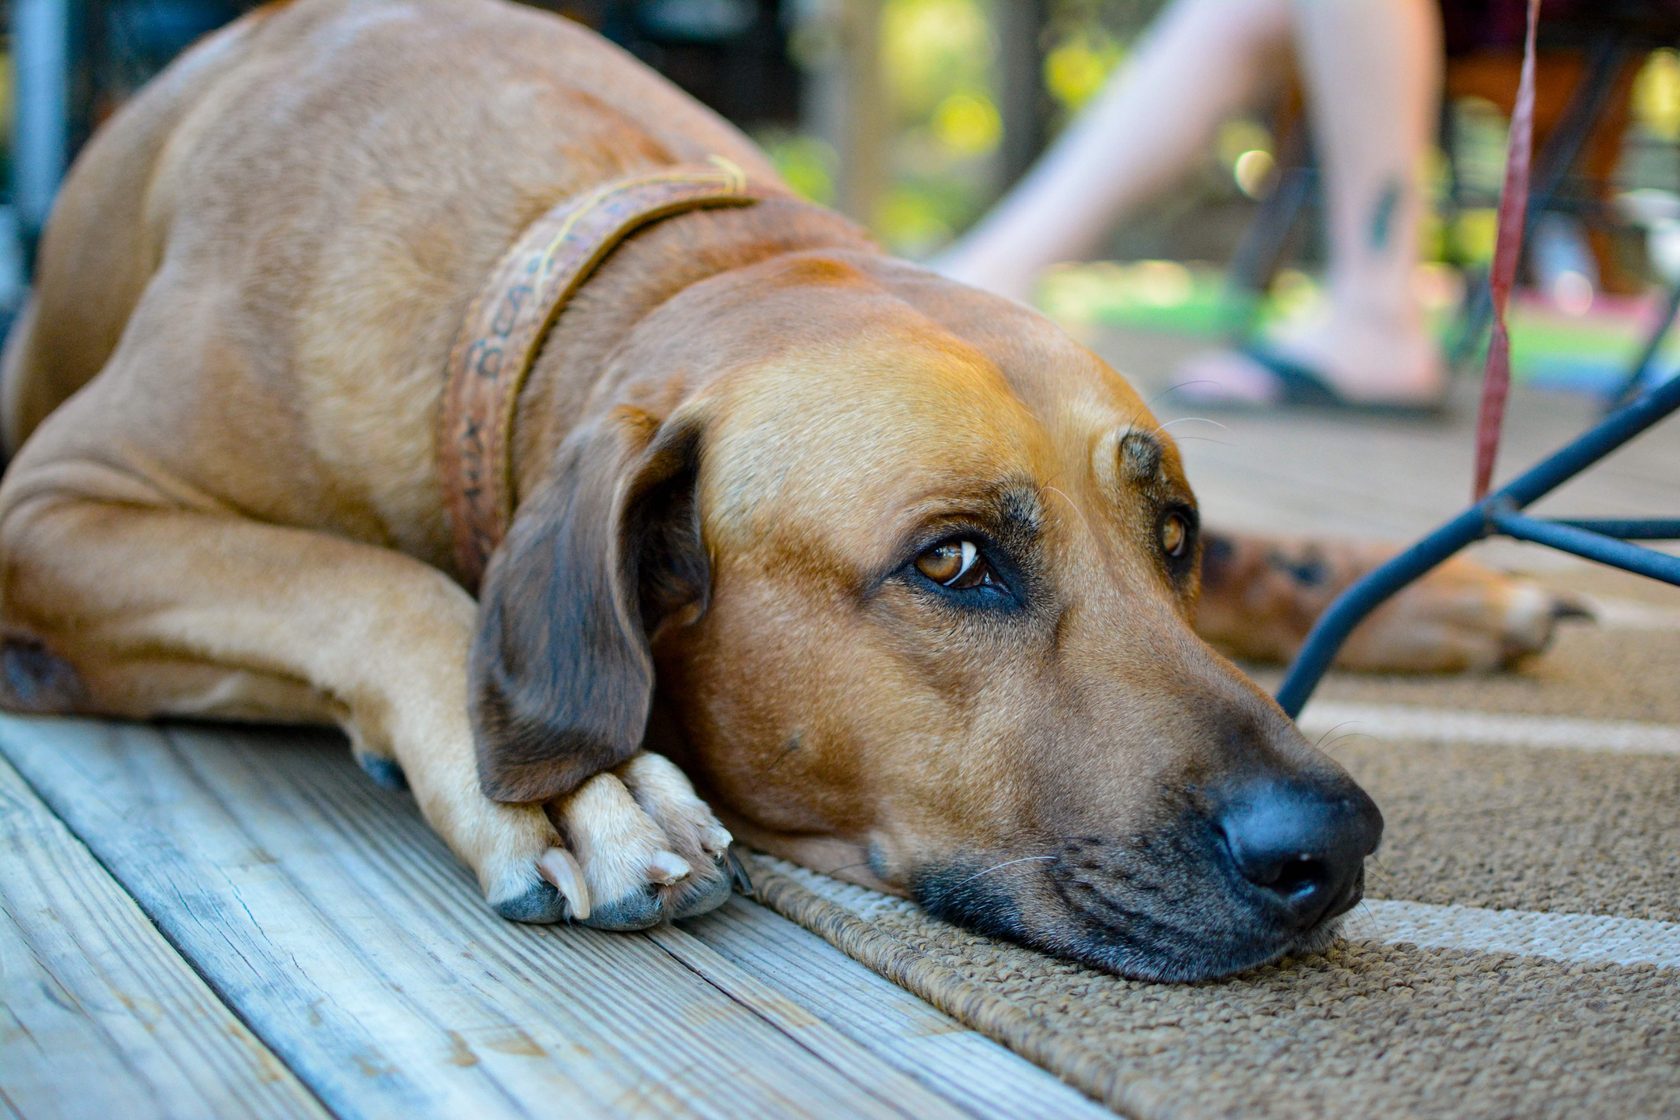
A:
[897,573]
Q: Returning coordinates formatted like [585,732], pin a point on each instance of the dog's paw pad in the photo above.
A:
[541,904]
[685,896]
[385,772]
[706,893]
[636,910]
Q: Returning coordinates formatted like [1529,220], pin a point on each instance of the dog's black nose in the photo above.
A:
[1302,842]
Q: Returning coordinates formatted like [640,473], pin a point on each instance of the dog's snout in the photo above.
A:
[1302,843]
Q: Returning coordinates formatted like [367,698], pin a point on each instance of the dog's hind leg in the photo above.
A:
[1261,595]
[131,609]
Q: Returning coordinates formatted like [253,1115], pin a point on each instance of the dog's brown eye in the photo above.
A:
[1175,535]
[954,564]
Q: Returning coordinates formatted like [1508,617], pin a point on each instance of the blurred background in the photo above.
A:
[915,115]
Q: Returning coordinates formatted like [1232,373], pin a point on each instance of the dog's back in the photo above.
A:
[296,128]
[97,257]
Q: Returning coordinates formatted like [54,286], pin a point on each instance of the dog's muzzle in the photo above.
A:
[1233,878]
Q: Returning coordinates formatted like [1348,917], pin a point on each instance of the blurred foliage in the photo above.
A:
[1656,95]
[806,162]
[939,60]
[932,50]
[937,57]
[1076,67]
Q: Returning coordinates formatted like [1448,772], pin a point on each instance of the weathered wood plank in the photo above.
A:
[342,931]
[98,1015]
[956,1062]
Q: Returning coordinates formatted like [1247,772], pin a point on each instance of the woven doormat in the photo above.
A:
[1519,955]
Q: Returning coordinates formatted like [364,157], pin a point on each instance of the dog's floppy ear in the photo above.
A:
[561,676]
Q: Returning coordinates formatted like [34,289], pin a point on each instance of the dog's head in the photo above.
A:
[905,581]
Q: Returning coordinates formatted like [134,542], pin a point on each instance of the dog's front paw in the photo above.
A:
[523,867]
[648,848]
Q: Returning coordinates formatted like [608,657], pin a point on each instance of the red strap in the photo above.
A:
[1507,249]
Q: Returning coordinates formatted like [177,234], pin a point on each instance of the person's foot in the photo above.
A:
[1362,367]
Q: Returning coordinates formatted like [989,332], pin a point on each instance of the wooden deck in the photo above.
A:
[215,922]
[210,922]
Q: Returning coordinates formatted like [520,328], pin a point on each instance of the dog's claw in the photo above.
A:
[559,868]
[738,874]
[715,841]
[666,868]
[1566,607]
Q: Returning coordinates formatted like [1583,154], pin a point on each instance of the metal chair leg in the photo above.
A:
[1641,377]
[1481,520]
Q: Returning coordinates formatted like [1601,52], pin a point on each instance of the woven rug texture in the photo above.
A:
[1518,954]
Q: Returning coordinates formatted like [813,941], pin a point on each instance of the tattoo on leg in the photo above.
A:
[1382,215]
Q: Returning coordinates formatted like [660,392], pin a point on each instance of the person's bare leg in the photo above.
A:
[1372,73]
[1199,63]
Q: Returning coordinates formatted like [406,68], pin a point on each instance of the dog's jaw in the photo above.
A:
[1162,906]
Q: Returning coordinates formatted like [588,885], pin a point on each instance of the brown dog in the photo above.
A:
[914,571]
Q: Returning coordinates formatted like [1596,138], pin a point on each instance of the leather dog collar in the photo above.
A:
[509,319]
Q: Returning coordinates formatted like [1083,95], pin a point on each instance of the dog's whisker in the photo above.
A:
[1335,727]
[1071,504]
[1192,420]
[1004,864]
[1335,735]
[1361,921]
[1175,387]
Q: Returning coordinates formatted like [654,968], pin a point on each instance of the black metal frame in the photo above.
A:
[1602,539]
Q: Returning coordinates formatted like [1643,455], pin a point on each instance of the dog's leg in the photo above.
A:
[1261,595]
[135,610]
